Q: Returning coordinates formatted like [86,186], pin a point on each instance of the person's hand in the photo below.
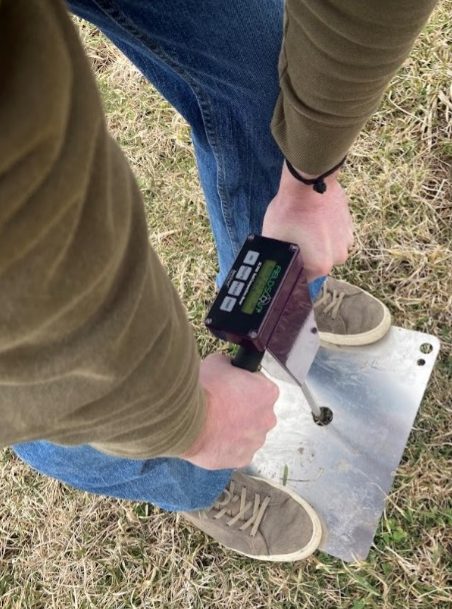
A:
[239,415]
[320,224]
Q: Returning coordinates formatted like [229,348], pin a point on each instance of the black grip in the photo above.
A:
[248,359]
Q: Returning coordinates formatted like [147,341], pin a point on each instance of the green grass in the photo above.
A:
[60,548]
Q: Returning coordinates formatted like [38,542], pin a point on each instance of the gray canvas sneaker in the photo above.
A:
[349,316]
[262,520]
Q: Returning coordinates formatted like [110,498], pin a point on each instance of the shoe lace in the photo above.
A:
[331,299]
[227,503]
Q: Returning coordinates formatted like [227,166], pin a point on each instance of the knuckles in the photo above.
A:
[272,390]
[272,421]
[342,257]
[322,268]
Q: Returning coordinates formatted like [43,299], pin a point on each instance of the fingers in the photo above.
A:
[270,388]
[323,266]
[239,415]
[336,251]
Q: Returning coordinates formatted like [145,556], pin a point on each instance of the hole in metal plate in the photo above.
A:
[325,418]
[421,362]
[426,348]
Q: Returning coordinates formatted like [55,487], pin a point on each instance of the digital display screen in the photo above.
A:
[266,273]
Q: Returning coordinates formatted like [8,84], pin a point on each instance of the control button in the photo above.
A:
[243,272]
[228,304]
[251,257]
[236,288]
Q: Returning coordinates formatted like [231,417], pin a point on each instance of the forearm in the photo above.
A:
[337,59]
[94,343]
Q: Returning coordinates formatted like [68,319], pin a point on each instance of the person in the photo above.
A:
[101,383]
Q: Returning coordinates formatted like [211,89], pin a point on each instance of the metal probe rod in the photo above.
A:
[311,401]
[322,415]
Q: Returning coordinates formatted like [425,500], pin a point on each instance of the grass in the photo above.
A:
[62,549]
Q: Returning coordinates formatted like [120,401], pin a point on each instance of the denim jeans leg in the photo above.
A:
[216,63]
[171,484]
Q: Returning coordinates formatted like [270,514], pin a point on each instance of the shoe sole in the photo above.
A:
[365,338]
[309,548]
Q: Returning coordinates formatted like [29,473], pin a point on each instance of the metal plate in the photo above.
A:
[346,469]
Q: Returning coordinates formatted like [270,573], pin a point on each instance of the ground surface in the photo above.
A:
[62,549]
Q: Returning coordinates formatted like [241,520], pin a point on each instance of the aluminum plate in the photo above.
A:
[346,469]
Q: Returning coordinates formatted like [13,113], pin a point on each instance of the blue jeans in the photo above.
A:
[216,63]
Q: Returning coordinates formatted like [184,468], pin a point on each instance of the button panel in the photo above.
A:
[251,257]
[236,288]
[228,304]
[244,272]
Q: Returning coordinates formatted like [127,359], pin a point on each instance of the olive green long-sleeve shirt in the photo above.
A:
[94,342]
[337,58]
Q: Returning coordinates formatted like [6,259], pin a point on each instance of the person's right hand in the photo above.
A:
[239,415]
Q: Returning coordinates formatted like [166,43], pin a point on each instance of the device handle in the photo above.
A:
[248,359]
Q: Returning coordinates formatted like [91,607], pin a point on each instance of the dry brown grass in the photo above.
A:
[62,549]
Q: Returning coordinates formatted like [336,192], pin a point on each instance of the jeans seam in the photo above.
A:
[114,12]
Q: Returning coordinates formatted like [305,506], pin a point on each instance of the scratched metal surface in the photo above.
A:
[346,469]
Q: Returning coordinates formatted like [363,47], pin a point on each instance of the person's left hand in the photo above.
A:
[320,224]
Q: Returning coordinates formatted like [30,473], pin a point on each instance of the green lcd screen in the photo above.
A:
[258,287]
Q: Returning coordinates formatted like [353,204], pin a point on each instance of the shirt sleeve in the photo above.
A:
[95,346]
[337,59]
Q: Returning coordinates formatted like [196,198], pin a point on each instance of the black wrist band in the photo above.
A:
[318,184]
